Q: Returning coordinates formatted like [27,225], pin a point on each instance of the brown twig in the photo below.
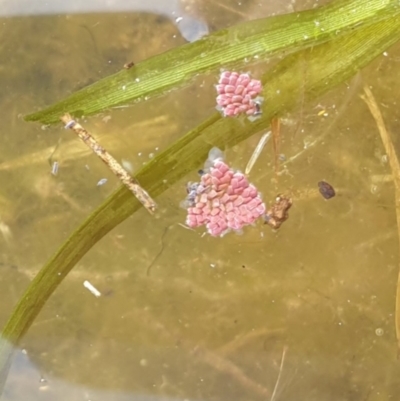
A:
[130,182]
[395,167]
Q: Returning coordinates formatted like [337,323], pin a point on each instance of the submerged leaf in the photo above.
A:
[251,41]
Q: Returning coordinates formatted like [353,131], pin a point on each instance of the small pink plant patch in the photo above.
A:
[238,94]
[223,200]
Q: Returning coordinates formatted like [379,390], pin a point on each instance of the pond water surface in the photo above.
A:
[312,304]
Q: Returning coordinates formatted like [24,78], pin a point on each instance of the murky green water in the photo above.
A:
[214,316]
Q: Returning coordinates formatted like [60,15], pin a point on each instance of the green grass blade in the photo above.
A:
[237,46]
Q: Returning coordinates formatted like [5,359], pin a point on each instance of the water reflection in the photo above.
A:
[26,381]
[191,28]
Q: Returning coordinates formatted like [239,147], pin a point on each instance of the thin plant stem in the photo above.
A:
[257,151]
[276,136]
[280,373]
[369,99]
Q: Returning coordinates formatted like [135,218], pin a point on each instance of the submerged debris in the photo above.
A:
[223,200]
[278,212]
[326,190]
[238,94]
[87,284]
[101,182]
[257,151]
[54,168]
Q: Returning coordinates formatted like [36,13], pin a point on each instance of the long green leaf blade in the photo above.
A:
[248,42]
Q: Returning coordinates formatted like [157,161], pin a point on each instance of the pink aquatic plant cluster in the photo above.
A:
[223,200]
[238,94]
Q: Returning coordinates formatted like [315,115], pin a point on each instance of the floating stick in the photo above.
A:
[131,183]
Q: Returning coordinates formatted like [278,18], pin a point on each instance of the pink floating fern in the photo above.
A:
[223,201]
[238,94]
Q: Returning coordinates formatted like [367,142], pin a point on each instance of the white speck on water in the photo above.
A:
[385,54]
[143,362]
[178,20]
[151,155]
[91,288]
[140,154]
[124,87]
[212,265]
[305,36]
[137,80]
[379,332]
[317,23]
[102,182]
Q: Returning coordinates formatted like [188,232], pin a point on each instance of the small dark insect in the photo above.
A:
[326,190]
[129,65]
